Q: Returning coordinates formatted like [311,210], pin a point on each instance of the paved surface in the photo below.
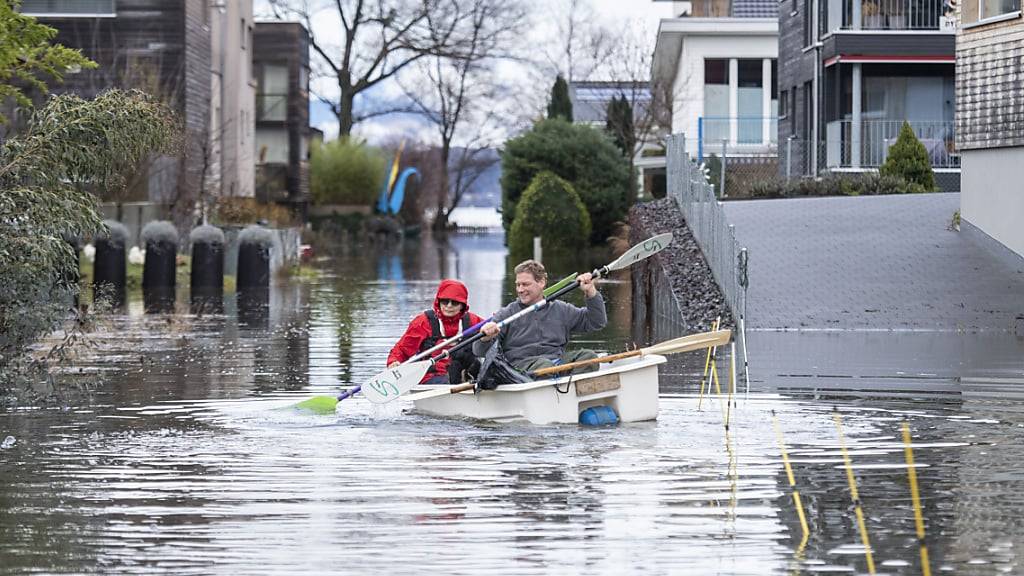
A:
[875,263]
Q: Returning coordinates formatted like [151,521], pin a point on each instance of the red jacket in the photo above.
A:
[419,328]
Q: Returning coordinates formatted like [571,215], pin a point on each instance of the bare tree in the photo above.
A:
[378,39]
[582,45]
[629,64]
[463,89]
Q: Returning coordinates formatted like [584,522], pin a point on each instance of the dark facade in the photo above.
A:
[281,65]
[852,71]
[160,46]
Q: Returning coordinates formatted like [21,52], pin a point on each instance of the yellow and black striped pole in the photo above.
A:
[916,497]
[853,494]
[792,485]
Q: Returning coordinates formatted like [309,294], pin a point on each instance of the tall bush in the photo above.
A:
[551,209]
[346,171]
[560,105]
[69,145]
[583,156]
[908,159]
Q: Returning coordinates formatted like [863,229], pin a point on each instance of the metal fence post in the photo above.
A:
[789,158]
[721,181]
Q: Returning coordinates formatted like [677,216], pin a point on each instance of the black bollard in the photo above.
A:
[207,280]
[158,272]
[109,267]
[254,259]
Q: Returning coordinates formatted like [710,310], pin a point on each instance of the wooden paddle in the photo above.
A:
[675,346]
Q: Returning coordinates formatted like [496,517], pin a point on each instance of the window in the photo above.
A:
[272,93]
[716,100]
[70,8]
[243,33]
[980,10]
[750,100]
[808,15]
[784,103]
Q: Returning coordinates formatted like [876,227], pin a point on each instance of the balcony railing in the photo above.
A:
[877,136]
[750,133]
[888,15]
[76,8]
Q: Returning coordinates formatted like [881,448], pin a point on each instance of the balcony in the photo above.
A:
[70,8]
[845,149]
[889,15]
[738,135]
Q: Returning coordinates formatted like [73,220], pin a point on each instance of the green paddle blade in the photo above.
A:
[321,405]
[560,284]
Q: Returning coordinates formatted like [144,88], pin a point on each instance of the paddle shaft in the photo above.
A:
[588,362]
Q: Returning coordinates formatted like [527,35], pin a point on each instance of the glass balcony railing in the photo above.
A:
[754,133]
[77,8]
[870,150]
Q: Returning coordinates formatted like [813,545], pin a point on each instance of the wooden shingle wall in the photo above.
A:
[990,86]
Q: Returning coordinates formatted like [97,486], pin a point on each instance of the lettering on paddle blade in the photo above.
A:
[651,245]
[386,386]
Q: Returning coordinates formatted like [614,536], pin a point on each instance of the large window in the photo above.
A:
[980,10]
[272,93]
[716,100]
[82,8]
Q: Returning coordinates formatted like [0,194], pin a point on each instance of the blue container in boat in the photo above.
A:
[599,416]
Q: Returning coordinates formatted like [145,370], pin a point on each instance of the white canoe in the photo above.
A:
[630,387]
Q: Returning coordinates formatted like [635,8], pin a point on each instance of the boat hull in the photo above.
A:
[630,387]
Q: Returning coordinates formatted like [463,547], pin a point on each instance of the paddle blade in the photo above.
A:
[393,382]
[641,250]
[691,342]
[318,405]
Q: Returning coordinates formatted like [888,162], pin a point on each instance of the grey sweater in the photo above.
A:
[546,331]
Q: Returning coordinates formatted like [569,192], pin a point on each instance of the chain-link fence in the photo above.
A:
[805,159]
[688,186]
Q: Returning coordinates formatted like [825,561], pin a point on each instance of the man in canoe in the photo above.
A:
[539,341]
[449,316]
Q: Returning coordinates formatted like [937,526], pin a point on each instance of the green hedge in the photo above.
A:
[550,208]
[581,155]
[858,184]
[345,171]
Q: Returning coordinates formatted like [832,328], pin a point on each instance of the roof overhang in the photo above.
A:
[887,59]
[671,32]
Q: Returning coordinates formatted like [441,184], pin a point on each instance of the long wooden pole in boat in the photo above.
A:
[675,346]
[681,344]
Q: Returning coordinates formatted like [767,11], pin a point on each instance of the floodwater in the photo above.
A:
[179,461]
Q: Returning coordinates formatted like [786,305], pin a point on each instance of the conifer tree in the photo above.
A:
[560,105]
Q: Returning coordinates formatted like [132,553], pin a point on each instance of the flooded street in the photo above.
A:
[182,460]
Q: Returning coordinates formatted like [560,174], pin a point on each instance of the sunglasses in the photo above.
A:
[447,302]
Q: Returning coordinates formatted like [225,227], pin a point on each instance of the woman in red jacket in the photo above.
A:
[449,316]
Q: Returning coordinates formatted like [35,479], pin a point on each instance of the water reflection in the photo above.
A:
[180,462]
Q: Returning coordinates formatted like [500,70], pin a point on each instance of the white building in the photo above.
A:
[722,71]
[233,100]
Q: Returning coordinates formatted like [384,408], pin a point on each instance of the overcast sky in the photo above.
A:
[615,14]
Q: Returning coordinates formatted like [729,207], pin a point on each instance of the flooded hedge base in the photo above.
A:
[180,460]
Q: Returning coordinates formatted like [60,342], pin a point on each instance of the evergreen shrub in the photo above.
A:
[583,156]
[550,208]
[908,159]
